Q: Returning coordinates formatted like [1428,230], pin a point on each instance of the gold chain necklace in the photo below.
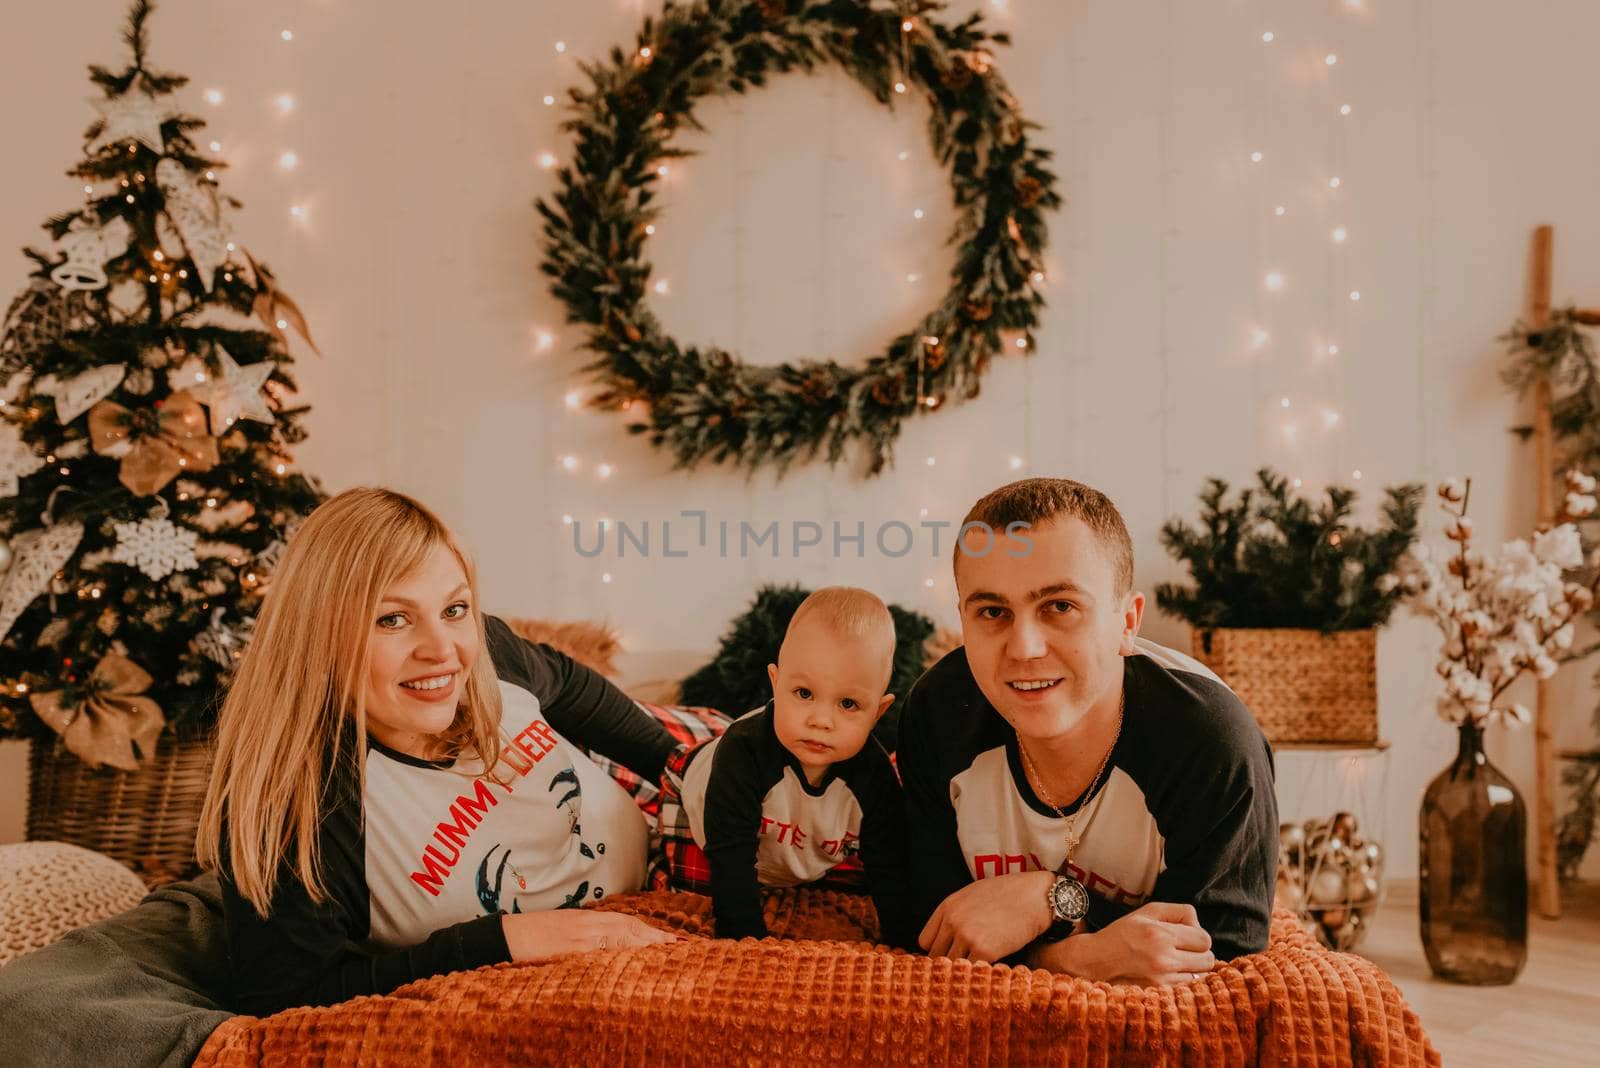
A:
[1037,781]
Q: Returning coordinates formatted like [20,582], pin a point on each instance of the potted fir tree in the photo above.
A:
[1286,600]
[147,486]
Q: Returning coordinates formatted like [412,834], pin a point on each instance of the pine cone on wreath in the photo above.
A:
[978,310]
[958,75]
[934,355]
[888,390]
[816,389]
[1029,190]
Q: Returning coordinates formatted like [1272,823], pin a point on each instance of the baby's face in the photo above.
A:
[828,694]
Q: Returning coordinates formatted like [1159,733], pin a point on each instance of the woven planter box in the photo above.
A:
[1301,685]
[146,819]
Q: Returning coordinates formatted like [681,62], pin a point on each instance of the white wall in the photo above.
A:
[418,136]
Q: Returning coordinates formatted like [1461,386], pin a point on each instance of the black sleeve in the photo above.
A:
[739,782]
[306,953]
[934,851]
[883,845]
[1218,813]
[580,703]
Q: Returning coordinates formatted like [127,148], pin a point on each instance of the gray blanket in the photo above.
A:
[136,989]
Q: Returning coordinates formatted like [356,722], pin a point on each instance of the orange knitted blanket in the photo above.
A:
[817,993]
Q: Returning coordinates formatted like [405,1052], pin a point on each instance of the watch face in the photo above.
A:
[1069,900]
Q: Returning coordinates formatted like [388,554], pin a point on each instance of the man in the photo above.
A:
[1078,797]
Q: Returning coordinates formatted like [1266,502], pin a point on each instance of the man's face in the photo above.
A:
[1043,624]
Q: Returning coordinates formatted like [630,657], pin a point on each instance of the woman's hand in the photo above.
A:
[534,936]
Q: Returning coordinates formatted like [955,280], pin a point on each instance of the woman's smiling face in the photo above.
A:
[424,640]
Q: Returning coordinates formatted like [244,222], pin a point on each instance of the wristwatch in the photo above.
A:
[1068,900]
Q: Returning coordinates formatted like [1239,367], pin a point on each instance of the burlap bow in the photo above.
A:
[112,717]
[154,452]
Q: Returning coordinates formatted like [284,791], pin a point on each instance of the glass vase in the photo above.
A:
[1473,893]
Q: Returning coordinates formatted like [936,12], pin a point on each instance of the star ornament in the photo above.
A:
[133,116]
[235,394]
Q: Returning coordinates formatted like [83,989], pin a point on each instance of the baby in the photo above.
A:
[799,785]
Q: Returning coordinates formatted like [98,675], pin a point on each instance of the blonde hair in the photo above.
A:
[298,699]
[850,613]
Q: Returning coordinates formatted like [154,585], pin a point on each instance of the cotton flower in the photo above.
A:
[1452,490]
[1560,546]
[1580,505]
[1579,482]
[1460,529]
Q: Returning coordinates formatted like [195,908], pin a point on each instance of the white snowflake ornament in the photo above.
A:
[155,546]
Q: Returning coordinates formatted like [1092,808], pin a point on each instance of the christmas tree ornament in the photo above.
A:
[39,554]
[5,555]
[139,381]
[155,447]
[88,250]
[235,393]
[81,392]
[222,643]
[155,546]
[36,319]
[274,307]
[132,116]
[17,459]
[197,214]
[114,724]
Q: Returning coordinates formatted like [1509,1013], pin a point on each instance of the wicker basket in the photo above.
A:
[1301,685]
[145,818]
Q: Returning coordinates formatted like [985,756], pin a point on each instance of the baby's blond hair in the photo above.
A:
[853,614]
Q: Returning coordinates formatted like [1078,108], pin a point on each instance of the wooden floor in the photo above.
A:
[1549,1016]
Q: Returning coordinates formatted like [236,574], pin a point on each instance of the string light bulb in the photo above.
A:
[899,87]
[547,160]
[1016,463]
[1334,182]
[604,470]
[213,97]
[1280,211]
[574,399]
[1344,109]
[1274,281]
[1333,350]
[1268,37]
[543,341]
[644,53]
[1256,157]
[288,161]
[1339,234]
[663,287]
[287,35]
[561,47]
[1355,294]
[917,214]
[285,102]
[549,101]
[606,578]
[1330,59]
[569,462]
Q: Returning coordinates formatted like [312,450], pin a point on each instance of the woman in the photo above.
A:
[398,789]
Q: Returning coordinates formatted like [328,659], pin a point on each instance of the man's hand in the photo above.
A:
[1158,944]
[990,918]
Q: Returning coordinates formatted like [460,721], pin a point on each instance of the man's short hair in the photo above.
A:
[1035,501]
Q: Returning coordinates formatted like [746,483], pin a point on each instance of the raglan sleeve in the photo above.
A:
[1218,814]
[883,847]
[934,860]
[310,952]
[735,790]
[581,703]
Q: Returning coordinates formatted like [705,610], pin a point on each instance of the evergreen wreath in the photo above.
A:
[704,403]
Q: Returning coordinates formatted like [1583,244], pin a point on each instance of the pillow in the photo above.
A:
[689,726]
[593,645]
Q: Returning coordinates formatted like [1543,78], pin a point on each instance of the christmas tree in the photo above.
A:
[146,482]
